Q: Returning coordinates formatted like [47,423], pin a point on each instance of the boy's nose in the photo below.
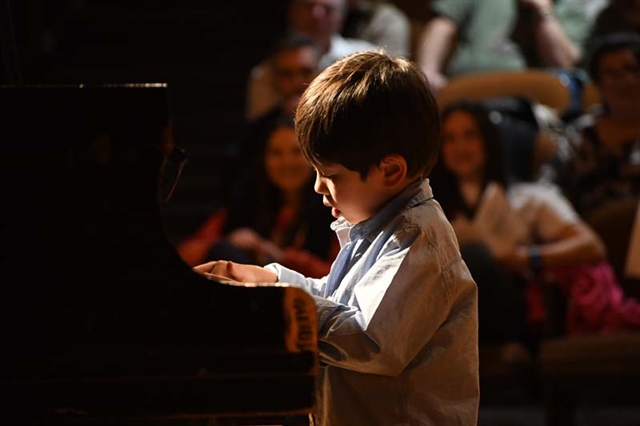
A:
[319,185]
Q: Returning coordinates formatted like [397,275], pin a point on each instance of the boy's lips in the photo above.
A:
[334,211]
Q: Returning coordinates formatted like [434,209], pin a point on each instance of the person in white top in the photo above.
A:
[319,19]
[544,229]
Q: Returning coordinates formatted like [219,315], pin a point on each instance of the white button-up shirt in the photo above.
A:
[398,331]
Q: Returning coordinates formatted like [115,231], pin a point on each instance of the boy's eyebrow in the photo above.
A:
[324,167]
[322,170]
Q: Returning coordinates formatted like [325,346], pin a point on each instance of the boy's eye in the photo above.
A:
[327,176]
[324,175]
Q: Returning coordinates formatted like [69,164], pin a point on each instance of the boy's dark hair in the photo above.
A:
[365,107]
[611,43]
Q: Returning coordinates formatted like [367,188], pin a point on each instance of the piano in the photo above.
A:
[101,321]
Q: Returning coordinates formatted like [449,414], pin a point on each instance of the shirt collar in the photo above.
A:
[414,194]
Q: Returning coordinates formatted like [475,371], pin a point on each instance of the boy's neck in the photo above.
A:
[411,181]
[391,207]
[401,188]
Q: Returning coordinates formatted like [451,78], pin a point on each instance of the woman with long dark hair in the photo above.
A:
[523,228]
[273,214]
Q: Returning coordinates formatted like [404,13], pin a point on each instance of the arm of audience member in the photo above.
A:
[249,240]
[554,46]
[576,243]
[437,41]
[193,249]
[261,93]
[305,262]
[263,249]
[308,263]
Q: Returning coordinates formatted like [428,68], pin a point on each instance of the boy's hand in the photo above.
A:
[225,270]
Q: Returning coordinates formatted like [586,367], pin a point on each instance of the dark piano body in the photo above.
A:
[100,317]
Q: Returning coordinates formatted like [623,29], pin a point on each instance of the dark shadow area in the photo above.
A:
[203,50]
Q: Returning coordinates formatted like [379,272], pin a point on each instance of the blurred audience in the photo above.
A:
[293,63]
[603,162]
[467,36]
[381,23]
[617,16]
[321,20]
[536,228]
[599,167]
[274,214]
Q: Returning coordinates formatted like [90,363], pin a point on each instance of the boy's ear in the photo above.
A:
[394,169]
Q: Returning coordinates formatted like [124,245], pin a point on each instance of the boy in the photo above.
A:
[397,319]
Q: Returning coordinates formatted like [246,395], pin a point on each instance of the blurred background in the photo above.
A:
[203,50]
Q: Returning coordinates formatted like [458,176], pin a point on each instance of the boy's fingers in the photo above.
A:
[236,273]
[205,267]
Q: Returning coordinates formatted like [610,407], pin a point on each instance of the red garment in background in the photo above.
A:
[595,300]
[193,250]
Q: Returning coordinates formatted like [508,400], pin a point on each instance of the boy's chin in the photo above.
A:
[335,212]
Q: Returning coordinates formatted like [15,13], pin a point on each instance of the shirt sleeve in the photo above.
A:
[400,303]
[313,286]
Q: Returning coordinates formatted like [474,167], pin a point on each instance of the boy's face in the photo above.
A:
[348,195]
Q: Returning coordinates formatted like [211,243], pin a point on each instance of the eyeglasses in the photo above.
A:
[171,171]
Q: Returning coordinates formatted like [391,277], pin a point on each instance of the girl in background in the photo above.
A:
[273,214]
[546,231]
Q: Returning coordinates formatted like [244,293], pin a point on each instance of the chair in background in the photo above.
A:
[544,87]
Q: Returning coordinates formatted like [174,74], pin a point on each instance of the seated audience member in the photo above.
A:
[618,16]
[603,164]
[322,21]
[273,214]
[381,23]
[293,63]
[468,36]
[508,232]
